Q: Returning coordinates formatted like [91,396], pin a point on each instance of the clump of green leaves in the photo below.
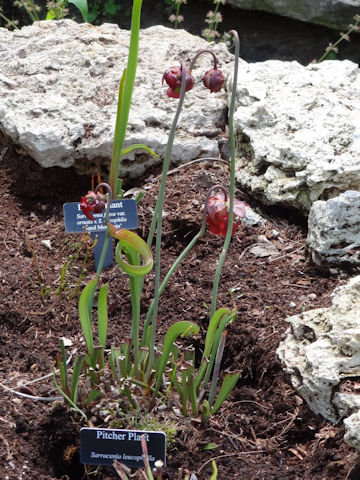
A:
[139,373]
[332,49]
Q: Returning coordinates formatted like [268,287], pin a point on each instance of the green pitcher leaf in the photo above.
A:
[178,329]
[78,365]
[226,387]
[216,319]
[85,315]
[130,239]
[102,315]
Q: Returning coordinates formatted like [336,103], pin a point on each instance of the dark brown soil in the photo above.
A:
[264,431]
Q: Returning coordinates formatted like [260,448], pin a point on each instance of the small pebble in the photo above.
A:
[46,243]
[312,296]
[67,342]
[292,304]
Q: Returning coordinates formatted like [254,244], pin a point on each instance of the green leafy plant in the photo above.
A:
[103,8]
[55,9]
[176,18]
[9,23]
[213,18]
[332,49]
[138,371]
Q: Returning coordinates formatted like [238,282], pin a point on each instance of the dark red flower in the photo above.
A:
[92,203]
[213,80]
[218,214]
[172,77]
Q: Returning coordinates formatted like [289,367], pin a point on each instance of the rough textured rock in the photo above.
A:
[334,231]
[352,429]
[337,14]
[298,130]
[58,94]
[321,353]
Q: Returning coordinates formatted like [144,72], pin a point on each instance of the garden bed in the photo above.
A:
[263,431]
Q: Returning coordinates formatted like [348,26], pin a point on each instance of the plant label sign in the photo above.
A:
[102,446]
[122,215]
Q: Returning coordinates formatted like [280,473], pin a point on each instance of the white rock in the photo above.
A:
[322,348]
[252,218]
[46,244]
[335,14]
[352,429]
[298,130]
[334,231]
[58,94]
[67,342]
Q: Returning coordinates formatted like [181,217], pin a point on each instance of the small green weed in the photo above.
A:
[332,49]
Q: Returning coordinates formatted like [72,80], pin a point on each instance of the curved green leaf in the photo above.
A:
[129,239]
[138,146]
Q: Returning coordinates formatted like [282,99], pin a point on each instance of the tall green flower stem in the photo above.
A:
[343,36]
[31,10]
[181,257]
[232,178]
[125,95]
[157,218]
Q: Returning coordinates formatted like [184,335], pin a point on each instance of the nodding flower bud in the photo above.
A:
[213,80]
[172,77]
[92,203]
[218,214]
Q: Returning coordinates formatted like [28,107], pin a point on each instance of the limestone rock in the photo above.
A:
[334,231]
[321,351]
[352,429]
[298,130]
[337,14]
[58,94]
